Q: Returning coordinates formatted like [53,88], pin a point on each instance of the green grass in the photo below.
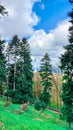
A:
[30,119]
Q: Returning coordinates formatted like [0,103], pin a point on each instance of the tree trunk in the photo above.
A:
[57,101]
[14,76]
[69,124]
[60,102]
[14,70]
[7,98]
[8,71]
[1,93]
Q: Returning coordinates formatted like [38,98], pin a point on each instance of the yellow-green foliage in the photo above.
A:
[55,89]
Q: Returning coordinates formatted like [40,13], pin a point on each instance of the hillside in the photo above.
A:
[55,89]
[30,119]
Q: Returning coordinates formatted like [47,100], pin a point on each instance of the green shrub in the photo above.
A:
[43,105]
[37,105]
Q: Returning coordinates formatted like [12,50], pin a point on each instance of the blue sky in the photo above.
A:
[43,22]
[53,12]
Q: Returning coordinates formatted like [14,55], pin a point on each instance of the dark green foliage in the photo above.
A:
[43,105]
[24,82]
[45,97]
[3,10]
[67,68]
[37,105]
[11,77]
[20,72]
[2,67]
[45,73]
[67,85]
[12,52]
[21,92]
[10,91]
[2,57]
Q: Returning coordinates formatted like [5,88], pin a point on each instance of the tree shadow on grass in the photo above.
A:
[69,128]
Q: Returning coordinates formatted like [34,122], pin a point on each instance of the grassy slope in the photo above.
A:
[29,120]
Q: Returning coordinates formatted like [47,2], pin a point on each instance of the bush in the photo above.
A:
[43,105]
[9,93]
[37,105]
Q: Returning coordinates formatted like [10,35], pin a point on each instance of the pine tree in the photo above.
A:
[67,68]
[45,73]
[8,64]
[24,74]
[14,45]
[10,92]
[2,67]
[2,56]
[11,56]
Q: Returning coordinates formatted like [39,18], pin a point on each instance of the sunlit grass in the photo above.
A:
[30,119]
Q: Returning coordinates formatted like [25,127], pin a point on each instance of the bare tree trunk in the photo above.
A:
[14,74]
[8,70]
[57,100]
[60,101]
[14,70]
[8,76]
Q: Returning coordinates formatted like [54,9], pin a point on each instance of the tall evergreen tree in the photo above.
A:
[14,45]
[67,68]
[2,56]
[7,64]
[27,67]
[24,74]
[12,54]
[45,73]
[2,67]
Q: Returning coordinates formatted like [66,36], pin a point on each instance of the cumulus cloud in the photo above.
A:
[21,19]
[52,42]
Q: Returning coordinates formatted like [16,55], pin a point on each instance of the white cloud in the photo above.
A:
[52,42]
[21,19]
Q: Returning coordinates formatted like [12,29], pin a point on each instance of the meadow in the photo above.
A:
[29,119]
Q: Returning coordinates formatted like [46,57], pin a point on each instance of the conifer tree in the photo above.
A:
[12,54]
[26,68]
[14,45]
[67,68]
[2,56]
[2,67]
[45,73]
[24,74]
